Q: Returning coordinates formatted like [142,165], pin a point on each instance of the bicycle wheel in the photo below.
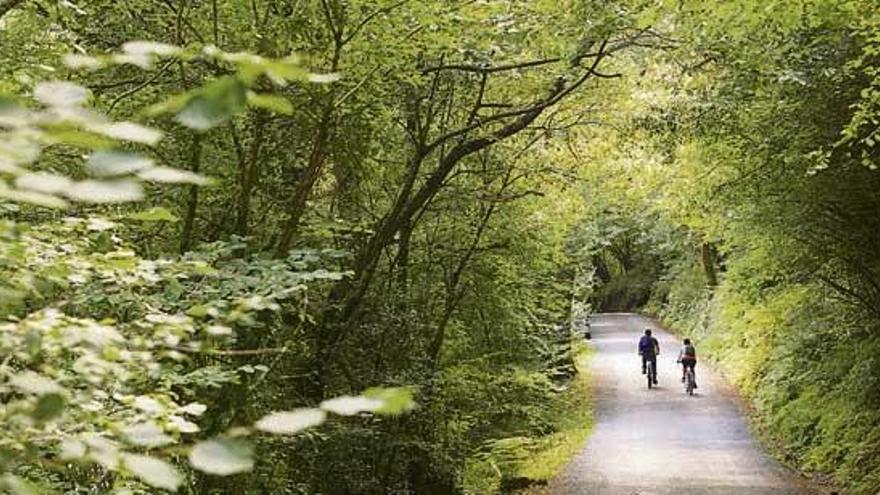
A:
[650,374]
[689,382]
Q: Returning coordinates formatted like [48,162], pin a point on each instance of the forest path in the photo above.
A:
[660,441]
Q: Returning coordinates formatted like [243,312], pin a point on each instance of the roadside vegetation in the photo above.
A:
[347,246]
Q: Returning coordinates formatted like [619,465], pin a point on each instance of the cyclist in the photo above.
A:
[649,348]
[687,356]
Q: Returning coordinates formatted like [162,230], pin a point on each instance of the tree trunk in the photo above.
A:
[195,161]
[710,257]
[303,190]
[250,174]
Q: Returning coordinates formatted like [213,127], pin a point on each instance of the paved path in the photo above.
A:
[660,441]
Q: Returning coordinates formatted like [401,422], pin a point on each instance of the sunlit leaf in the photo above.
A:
[61,94]
[173,176]
[348,405]
[150,48]
[152,471]
[31,197]
[142,60]
[115,162]
[76,61]
[289,422]
[42,182]
[222,456]
[147,434]
[71,449]
[182,425]
[218,330]
[129,131]
[324,78]
[34,383]
[117,191]
[194,409]
[148,404]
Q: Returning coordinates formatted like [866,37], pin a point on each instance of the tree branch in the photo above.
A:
[366,20]
[488,69]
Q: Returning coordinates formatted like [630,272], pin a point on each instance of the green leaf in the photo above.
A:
[152,471]
[80,138]
[274,103]
[290,422]
[155,214]
[396,400]
[48,407]
[172,104]
[214,104]
[222,456]
[19,486]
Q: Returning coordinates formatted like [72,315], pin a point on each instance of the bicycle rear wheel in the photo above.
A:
[650,374]
[690,381]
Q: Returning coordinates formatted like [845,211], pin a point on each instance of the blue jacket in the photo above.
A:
[648,346]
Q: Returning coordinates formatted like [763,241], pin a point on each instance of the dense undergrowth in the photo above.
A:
[518,463]
[806,363]
[240,239]
[747,192]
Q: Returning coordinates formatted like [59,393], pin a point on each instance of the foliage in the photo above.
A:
[764,226]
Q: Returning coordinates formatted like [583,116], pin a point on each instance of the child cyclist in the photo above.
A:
[687,356]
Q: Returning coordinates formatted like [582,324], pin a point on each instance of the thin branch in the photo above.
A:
[366,20]
[488,69]
[141,86]
[479,101]
[331,23]
[233,352]
[558,93]
[356,87]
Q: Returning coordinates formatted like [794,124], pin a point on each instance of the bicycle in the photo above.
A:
[651,373]
[690,381]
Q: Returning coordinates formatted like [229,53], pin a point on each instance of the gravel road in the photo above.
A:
[661,441]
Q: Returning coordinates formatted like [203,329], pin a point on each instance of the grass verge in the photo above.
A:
[574,423]
[525,464]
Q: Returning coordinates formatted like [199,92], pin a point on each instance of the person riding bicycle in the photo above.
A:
[687,356]
[649,348]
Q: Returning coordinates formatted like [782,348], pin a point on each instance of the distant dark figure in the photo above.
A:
[649,348]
